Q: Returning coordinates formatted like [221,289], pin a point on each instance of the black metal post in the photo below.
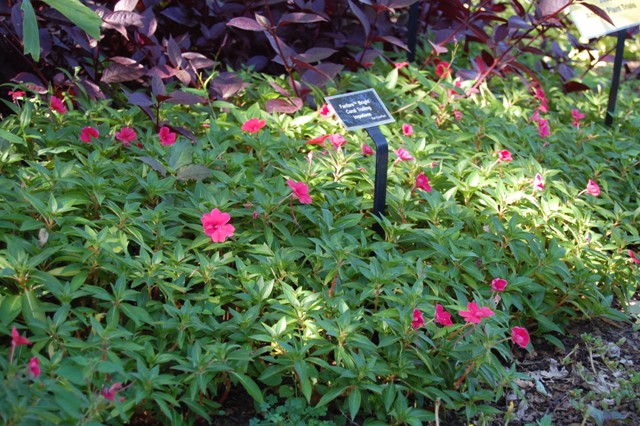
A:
[615,80]
[380,184]
[412,28]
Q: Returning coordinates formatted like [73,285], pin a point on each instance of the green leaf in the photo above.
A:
[9,309]
[193,172]
[355,398]
[250,386]
[305,385]
[31,36]
[331,395]
[79,14]
[11,137]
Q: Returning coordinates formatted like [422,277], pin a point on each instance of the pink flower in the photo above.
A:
[520,336]
[443,70]
[543,128]
[17,339]
[34,367]
[88,133]
[167,137]
[442,317]
[337,140]
[253,125]
[457,114]
[325,110]
[418,319]
[422,182]
[255,214]
[540,95]
[366,150]
[504,156]
[110,392]
[634,258]
[16,94]
[318,140]
[57,105]
[498,284]
[475,314]
[300,191]
[577,116]
[216,225]
[400,65]
[538,183]
[126,135]
[403,155]
[536,116]
[592,188]
[407,129]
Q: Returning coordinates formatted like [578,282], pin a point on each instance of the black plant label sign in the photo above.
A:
[358,110]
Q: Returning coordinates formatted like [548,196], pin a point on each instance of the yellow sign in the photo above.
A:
[623,13]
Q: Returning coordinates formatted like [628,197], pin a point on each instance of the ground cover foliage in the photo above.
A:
[156,260]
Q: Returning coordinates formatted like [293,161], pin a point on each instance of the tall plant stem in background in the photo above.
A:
[285,61]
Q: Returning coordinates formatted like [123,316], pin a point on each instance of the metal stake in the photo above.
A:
[380,184]
[615,81]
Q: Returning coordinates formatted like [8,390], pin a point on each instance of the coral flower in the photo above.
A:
[337,140]
[443,69]
[504,156]
[538,183]
[498,284]
[442,317]
[592,188]
[57,105]
[216,225]
[16,94]
[325,110]
[400,65]
[577,116]
[17,339]
[110,392]
[457,114]
[475,314]
[403,155]
[88,133]
[167,137]
[300,191]
[34,367]
[543,128]
[520,336]
[366,150]
[633,257]
[126,135]
[253,125]
[418,319]
[407,129]
[422,182]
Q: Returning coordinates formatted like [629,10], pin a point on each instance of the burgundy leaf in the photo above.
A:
[184,98]
[264,22]
[174,53]
[574,86]
[149,23]
[300,18]
[227,84]
[245,24]
[487,58]
[139,99]
[321,73]
[395,41]
[198,60]
[566,72]
[123,19]
[16,19]
[278,45]
[183,76]
[178,14]
[184,132]
[286,106]
[316,54]
[501,33]
[438,49]
[366,25]
[552,7]
[127,5]
[281,90]
[157,86]
[118,73]
[598,11]
[517,22]
[148,112]
[31,82]
[162,98]
[518,8]
[399,4]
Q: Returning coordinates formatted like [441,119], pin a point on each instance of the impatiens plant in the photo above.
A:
[229,254]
